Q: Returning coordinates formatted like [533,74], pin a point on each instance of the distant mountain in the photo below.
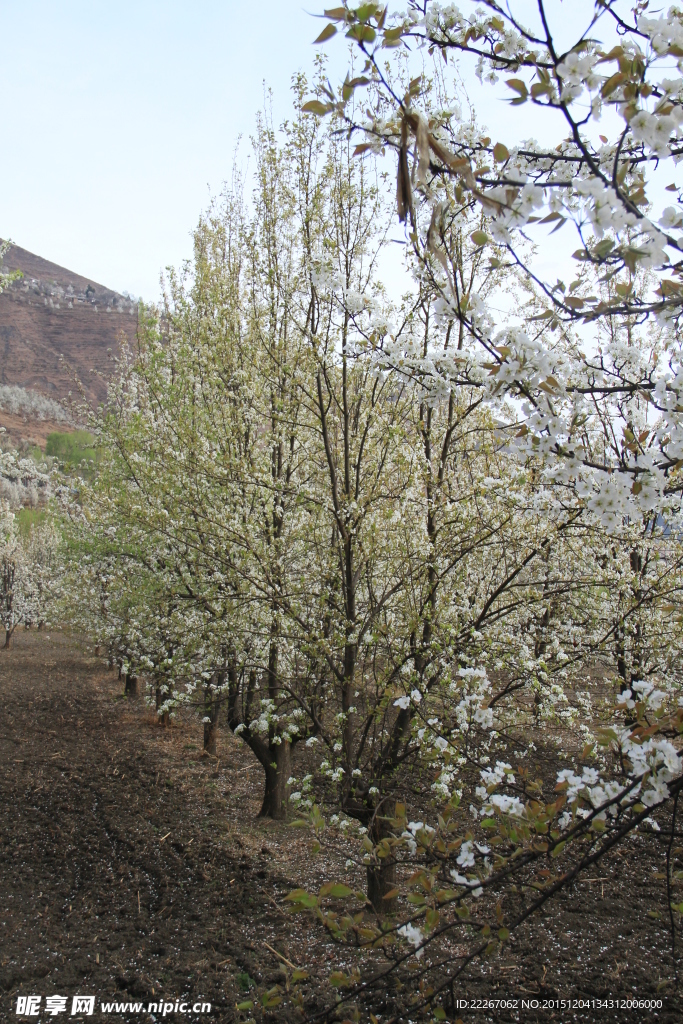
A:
[48,313]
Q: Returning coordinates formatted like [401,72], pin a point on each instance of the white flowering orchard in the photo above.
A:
[404,549]
[550,276]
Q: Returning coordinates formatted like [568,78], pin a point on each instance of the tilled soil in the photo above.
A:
[120,875]
[135,870]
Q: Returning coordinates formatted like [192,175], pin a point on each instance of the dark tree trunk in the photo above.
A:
[210,735]
[277,773]
[132,690]
[382,877]
[8,639]
[159,700]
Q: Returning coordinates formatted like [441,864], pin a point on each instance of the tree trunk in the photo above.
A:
[8,639]
[382,877]
[210,734]
[159,700]
[277,773]
[211,731]
[212,710]
[132,690]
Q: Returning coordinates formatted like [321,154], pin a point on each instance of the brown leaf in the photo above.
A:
[404,192]
[422,146]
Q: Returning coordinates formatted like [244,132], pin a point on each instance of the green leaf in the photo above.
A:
[540,89]
[271,998]
[431,919]
[547,314]
[361,33]
[519,87]
[365,11]
[340,891]
[316,107]
[392,36]
[500,153]
[416,898]
[327,33]
[302,897]
[603,248]
[612,83]
[479,237]
[439,1013]
[247,1005]
[503,934]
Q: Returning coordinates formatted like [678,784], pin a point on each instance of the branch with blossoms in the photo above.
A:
[457,871]
[628,261]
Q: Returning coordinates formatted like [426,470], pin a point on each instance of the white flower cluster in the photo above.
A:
[404,702]
[471,707]
[414,936]
[416,833]
[655,760]
[302,797]
[492,778]
[643,691]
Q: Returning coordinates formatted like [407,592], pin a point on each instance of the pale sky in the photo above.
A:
[119,120]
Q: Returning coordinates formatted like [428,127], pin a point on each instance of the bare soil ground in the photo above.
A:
[132,868]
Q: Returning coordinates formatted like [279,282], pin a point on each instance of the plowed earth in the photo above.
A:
[136,870]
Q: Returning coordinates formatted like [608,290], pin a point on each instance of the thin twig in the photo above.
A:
[281,957]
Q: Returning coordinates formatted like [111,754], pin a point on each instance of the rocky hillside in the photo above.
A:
[55,327]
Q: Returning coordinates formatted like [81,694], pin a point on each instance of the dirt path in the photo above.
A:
[116,879]
[133,869]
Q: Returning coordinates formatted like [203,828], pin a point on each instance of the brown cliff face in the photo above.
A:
[51,313]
